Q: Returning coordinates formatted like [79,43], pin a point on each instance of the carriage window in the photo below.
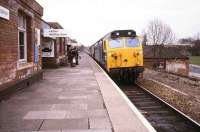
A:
[115,43]
[132,42]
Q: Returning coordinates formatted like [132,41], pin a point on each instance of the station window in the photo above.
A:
[22,37]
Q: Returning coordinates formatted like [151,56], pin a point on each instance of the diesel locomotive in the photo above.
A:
[120,53]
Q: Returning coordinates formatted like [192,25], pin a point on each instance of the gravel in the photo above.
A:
[182,93]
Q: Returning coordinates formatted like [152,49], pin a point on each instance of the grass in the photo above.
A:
[195,60]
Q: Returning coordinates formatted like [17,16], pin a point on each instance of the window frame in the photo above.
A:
[24,31]
[121,43]
[128,46]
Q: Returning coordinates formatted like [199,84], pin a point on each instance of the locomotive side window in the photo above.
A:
[104,46]
[116,43]
[132,42]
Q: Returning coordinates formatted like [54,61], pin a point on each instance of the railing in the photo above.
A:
[194,70]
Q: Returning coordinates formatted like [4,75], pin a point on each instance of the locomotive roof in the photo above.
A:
[123,32]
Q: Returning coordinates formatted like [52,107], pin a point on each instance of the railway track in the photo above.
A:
[161,116]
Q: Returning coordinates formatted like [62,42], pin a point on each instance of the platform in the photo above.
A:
[79,99]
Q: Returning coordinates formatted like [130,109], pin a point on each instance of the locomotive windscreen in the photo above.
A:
[123,33]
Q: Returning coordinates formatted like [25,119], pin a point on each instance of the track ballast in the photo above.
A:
[161,116]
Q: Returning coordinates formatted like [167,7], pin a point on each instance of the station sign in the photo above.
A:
[54,33]
[4,13]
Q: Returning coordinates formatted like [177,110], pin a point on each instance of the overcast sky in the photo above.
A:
[89,20]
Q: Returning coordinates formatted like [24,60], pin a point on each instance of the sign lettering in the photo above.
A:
[55,33]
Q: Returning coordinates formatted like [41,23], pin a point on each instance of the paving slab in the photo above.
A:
[21,125]
[72,97]
[45,115]
[98,113]
[79,130]
[45,131]
[70,107]
[100,123]
[78,99]
[125,117]
[65,99]
[65,124]
[76,114]
[89,130]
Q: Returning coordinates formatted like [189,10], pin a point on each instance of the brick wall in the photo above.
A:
[8,46]
[9,70]
[33,5]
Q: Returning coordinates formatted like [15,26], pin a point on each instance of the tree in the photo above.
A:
[197,36]
[159,33]
[144,41]
[195,42]
[195,49]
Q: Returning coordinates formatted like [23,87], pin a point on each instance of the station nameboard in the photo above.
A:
[4,13]
[52,33]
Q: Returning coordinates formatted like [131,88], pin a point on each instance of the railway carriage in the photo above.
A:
[120,53]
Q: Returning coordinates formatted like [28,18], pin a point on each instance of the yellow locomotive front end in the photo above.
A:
[124,58]
[124,53]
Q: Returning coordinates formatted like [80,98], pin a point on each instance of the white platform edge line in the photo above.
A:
[131,105]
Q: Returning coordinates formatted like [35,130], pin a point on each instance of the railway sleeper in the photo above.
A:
[176,127]
[139,104]
[154,109]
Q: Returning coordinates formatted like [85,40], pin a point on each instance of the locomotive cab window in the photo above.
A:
[115,43]
[132,42]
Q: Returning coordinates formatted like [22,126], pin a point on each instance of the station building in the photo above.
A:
[53,49]
[20,42]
